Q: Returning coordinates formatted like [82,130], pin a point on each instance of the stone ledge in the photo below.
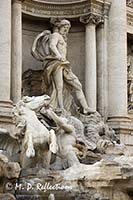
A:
[66,9]
[120,124]
[85,180]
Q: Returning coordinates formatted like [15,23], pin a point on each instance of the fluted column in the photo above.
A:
[16,83]
[117,60]
[102,73]
[5,60]
[90,59]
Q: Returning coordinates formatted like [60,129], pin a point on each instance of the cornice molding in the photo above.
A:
[43,9]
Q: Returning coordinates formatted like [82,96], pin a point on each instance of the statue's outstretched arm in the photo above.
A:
[61,122]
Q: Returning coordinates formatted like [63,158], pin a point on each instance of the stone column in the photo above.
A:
[117,62]
[102,74]
[5,62]
[16,74]
[90,59]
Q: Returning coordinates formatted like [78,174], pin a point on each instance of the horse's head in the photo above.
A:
[35,103]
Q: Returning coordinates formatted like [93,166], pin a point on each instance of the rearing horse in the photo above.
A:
[38,142]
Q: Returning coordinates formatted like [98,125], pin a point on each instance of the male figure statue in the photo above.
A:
[51,48]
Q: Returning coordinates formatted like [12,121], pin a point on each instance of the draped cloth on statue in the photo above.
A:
[52,66]
[41,51]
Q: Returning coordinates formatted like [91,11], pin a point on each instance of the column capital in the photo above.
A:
[92,19]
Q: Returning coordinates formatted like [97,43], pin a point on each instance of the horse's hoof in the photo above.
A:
[30,153]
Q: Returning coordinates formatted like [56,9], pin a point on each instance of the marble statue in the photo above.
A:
[130,79]
[51,49]
[99,137]
[60,133]
[36,135]
[66,138]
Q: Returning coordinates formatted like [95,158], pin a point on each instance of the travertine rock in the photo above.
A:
[8,169]
[7,196]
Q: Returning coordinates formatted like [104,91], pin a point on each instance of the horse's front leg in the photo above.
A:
[30,152]
[53,147]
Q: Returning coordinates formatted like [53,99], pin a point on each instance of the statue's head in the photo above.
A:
[65,22]
[35,103]
[64,27]
[61,25]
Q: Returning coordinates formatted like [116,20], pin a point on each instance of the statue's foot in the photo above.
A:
[88,111]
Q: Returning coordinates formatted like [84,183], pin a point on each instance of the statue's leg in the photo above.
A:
[58,80]
[73,81]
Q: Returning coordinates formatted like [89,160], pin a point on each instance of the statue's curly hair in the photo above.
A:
[58,22]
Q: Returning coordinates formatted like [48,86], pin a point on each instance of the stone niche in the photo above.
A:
[76,53]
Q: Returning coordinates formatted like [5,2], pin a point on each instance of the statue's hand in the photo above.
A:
[49,111]
[46,111]
[60,58]
[30,152]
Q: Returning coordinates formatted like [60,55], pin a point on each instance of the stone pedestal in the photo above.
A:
[16,73]
[90,59]
[5,64]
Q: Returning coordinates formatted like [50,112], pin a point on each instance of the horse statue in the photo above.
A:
[38,142]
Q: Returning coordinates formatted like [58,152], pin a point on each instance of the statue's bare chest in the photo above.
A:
[62,44]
